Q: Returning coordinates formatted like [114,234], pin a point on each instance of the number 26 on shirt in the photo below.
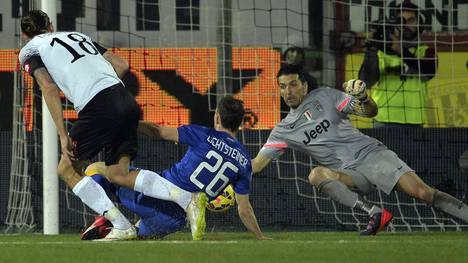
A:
[219,168]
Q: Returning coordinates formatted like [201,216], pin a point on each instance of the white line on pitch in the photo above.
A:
[219,242]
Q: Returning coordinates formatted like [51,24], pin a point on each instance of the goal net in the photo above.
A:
[186,54]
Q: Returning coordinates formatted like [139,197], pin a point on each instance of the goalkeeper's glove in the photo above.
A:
[356,88]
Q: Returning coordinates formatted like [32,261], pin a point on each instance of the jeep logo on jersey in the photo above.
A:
[319,129]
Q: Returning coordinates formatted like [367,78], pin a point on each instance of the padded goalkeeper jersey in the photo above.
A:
[320,127]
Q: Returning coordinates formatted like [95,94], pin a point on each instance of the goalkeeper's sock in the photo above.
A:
[338,191]
[367,207]
[92,194]
[152,184]
[450,205]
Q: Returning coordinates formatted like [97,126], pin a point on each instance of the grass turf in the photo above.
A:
[240,247]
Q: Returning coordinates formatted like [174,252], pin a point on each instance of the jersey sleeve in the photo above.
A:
[192,134]
[274,147]
[33,63]
[242,186]
[29,58]
[100,48]
[343,102]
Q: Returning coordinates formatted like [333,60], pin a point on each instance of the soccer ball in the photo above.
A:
[223,201]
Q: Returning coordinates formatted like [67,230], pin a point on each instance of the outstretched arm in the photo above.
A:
[271,150]
[51,94]
[247,216]
[367,108]
[259,163]
[157,131]
[119,64]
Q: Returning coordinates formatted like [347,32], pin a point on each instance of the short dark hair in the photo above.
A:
[288,69]
[294,56]
[231,111]
[408,6]
[34,23]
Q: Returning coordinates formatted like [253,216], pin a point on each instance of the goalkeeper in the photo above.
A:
[350,162]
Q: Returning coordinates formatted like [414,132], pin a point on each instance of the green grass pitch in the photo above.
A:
[240,247]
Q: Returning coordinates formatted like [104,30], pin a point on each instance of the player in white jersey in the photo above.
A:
[108,115]
[349,161]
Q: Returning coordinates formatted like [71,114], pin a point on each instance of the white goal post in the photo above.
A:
[50,184]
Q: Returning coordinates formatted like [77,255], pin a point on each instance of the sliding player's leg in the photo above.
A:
[120,140]
[118,156]
[413,185]
[337,185]
[149,183]
[92,194]
[154,185]
[196,215]
[158,218]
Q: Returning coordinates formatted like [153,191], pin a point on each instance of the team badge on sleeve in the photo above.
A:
[27,68]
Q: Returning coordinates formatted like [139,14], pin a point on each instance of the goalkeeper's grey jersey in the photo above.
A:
[73,62]
[320,127]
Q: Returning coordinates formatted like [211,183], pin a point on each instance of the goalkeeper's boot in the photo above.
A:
[98,229]
[196,215]
[377,223]
[120,235]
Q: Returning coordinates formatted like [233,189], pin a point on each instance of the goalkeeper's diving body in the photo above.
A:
[349,161]
[215,159]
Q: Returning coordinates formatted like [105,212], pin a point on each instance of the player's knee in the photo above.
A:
[113,173]
[114,177]
[64,168]
[317,175]
[428,195]
[68,174]
[117,175]
[425,194]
